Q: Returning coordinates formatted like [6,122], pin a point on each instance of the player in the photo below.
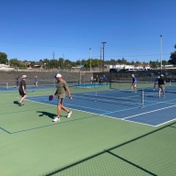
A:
[17,81]
[22,89]
[36,81]
[134,83]
[91,79]
[62,88]
[161,86]
[155,82]
[104,79]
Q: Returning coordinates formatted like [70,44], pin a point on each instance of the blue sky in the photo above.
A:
[35,29]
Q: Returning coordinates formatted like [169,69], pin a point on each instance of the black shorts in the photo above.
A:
[22,93]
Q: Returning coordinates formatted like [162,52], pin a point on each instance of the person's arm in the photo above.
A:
[69,93]
[23,88]
[56,92]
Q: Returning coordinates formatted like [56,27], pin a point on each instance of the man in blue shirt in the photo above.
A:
[155,82]
[134,83]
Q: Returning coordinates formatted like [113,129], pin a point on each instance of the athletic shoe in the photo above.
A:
[21,104]
[69,114]
[56,119]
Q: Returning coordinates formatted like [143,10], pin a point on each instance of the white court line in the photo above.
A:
[165,122]
[149,112]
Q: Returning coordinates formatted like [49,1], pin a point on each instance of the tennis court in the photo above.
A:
[111,132]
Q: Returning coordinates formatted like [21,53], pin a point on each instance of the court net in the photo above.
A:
[113,97]
[170,87]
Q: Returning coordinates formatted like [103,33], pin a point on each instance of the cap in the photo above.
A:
[58,75]
[24,76]
[162,75]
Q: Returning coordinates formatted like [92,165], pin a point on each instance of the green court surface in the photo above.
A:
[86,144]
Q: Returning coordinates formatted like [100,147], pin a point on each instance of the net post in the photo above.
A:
[142,98]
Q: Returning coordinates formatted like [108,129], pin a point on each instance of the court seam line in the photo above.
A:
[3,129]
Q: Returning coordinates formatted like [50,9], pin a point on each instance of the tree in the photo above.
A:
[78,62]
[61,63]
[164,62]
[16,63]
[94,63]
[122,61]
[154,64]
[54,63]
[3,58]
[173,57]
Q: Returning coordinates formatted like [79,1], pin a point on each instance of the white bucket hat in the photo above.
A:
[24,76]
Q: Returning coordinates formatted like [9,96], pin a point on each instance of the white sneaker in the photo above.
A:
[69,114]
[21,103]
[56,119]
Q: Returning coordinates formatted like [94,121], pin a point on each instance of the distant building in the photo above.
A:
[4,67]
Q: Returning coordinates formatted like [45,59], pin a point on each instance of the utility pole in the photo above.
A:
[100,66]
[161,53]
[53,55]
[90,59]
[103,55]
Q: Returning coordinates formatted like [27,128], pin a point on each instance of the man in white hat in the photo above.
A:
[22,89]
[62,88]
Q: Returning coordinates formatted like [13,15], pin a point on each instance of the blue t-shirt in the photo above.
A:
[156,80]
[104,78]
[134,80]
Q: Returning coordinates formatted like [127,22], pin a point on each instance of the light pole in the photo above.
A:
[90,58]
[103,55]
[100,58]
[161,53]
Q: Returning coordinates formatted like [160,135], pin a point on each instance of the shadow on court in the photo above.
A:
[16,102]
[44,113]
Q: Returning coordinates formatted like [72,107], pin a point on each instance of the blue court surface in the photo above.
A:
[146,108]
